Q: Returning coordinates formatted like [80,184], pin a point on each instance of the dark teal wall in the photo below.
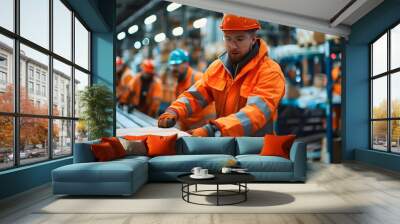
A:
[356,94]
[356,99]
[24,178]
[103,64]
[99,16]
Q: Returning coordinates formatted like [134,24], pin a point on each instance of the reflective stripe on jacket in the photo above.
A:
[202,117]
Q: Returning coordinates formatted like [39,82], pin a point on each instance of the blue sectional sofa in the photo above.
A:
[125,176]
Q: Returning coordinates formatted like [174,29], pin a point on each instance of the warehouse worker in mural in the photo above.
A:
[123,77]
[245,84]
[146,89]
[186,76]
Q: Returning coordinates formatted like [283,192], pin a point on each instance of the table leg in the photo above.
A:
[217,194]
[188,189]
[245,193]
[196,188]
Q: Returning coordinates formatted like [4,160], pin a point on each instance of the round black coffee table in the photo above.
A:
[238,179]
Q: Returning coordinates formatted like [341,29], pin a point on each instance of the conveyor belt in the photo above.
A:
[136,119]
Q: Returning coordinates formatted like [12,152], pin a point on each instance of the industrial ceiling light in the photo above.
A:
[200,23]
[121,36]
[146,41]
[137,45]
[133,29]
[150,19]
[159,37]
[177,31]
[173,6]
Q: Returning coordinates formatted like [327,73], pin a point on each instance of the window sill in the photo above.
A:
[26,167]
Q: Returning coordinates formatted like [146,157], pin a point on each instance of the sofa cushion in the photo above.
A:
[161,145]
[185,163]
[249,145]
[116,145]
[111,171]
[134,147]
[133,157]
[277,145]
[206,145]
[103,152]
[257,163]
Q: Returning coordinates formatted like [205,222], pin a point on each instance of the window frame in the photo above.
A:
[388,74]
[16,114]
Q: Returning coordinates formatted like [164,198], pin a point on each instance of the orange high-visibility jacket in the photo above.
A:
[123,92]
[245,105]
[202,117]
[153,97]
[337,87]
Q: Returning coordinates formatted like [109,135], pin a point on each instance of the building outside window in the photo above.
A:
[44,77]
[30,72]
[37,74]
[38,89]
[3,78]
[43,90]
[30,87]
[3,71]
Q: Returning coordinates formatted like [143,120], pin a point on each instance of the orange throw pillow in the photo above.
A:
[135,138]
[116,145]
[103,152]
[161,145]
[275,145]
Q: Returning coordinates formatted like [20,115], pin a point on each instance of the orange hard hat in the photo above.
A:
[147,66]
[119,61]
[233,22]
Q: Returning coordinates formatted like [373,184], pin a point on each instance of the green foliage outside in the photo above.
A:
[379,128]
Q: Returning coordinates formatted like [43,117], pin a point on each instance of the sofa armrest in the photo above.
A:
[298,157]
[83,152]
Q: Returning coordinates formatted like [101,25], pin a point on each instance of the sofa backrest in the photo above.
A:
[249,145]
[190,146]
[206,145]
[83,153]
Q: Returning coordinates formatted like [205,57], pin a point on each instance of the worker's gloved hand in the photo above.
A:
[207,130]
[198,132]
[167,119]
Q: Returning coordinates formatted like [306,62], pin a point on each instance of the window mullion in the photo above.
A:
[389,106]
[371,97]
[73,82]
[50,81]
[16,84]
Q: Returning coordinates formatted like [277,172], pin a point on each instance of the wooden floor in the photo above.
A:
[377,188]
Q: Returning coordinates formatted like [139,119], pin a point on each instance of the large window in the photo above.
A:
[385,96]
[44,64]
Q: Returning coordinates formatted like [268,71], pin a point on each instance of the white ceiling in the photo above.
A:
[315,15]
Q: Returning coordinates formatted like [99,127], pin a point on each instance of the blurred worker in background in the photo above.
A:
[186,76]
[336,97]
[245,84]
[123,77]
[146,89]
[337,79]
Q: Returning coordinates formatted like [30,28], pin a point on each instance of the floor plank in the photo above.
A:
[376,190]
